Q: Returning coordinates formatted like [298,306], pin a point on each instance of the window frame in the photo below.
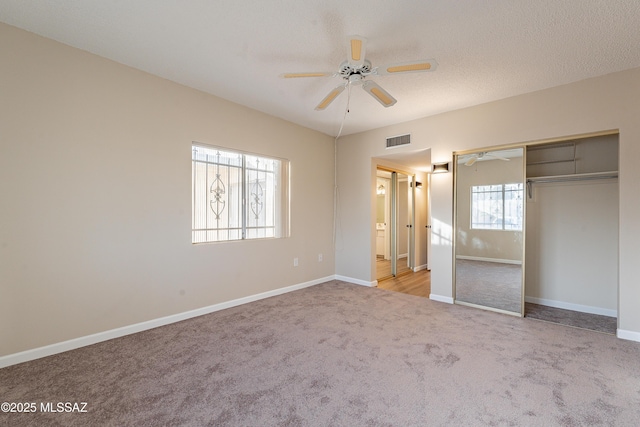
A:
[238,228]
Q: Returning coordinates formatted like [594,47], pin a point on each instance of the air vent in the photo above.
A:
[396,141]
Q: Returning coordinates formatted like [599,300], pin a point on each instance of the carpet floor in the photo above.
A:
[337,354]
[576,319]
[489,284]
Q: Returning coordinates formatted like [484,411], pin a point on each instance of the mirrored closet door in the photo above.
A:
[489,214]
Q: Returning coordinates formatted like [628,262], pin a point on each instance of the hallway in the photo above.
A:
[418,284]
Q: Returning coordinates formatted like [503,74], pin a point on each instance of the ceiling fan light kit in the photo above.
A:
[356,68]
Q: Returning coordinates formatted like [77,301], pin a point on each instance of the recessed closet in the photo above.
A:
[571,249]
[538,222]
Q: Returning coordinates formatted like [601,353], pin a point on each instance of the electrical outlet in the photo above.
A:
[295,262]
[319,257]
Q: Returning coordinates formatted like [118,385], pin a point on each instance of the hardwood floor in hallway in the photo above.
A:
[383,268]
[418,284]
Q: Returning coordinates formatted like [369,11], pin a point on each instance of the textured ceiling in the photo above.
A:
[236,49]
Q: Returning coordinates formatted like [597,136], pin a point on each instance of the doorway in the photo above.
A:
[395,213]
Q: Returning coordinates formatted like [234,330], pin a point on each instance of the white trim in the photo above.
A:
[477,258]
[484,307]
[420,267]
[440,298]
[628,335]
[574,307]
[37,353]
[356,281]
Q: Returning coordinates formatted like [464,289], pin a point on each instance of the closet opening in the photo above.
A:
[571,246]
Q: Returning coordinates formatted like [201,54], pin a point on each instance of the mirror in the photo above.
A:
[394,224]
[489,222]
[404,224]
[383,225]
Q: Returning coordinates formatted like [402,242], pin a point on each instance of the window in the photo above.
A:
[237,195]
[497,207]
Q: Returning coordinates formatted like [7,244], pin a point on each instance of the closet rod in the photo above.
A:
[574,177]
[567,178]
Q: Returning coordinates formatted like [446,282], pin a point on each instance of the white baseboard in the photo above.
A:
[356,281]
[419,268]
[502,261]
[440,298]
[628,335]
[49,350]
[574,307]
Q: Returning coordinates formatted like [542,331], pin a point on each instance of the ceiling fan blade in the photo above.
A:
[407,67]
[357,47]
[312,74]
[330,97]
[381,95]
[471,161]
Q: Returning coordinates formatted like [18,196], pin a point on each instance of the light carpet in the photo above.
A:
[490,284]
[337,354]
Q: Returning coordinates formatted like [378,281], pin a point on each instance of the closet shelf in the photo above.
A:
[546,162]
[550,146]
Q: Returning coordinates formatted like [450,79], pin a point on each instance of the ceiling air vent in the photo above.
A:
[396,141]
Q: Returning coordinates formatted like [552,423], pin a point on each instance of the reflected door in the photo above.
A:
[404,220]
[489,224]
[395,239]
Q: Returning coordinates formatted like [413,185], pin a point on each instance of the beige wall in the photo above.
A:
[572,244]
[603,103]
[96,197]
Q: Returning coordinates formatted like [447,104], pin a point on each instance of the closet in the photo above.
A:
[571,246]
[536,230]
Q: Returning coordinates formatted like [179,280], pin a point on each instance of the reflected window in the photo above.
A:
[497,207]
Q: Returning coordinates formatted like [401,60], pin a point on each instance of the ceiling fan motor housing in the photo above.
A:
[346,70]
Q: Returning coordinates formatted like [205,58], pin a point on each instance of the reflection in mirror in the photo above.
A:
[383,225]
[404,223]
[489,229]
[394,224]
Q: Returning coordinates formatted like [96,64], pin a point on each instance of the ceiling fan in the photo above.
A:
[483,155]
[356,68]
